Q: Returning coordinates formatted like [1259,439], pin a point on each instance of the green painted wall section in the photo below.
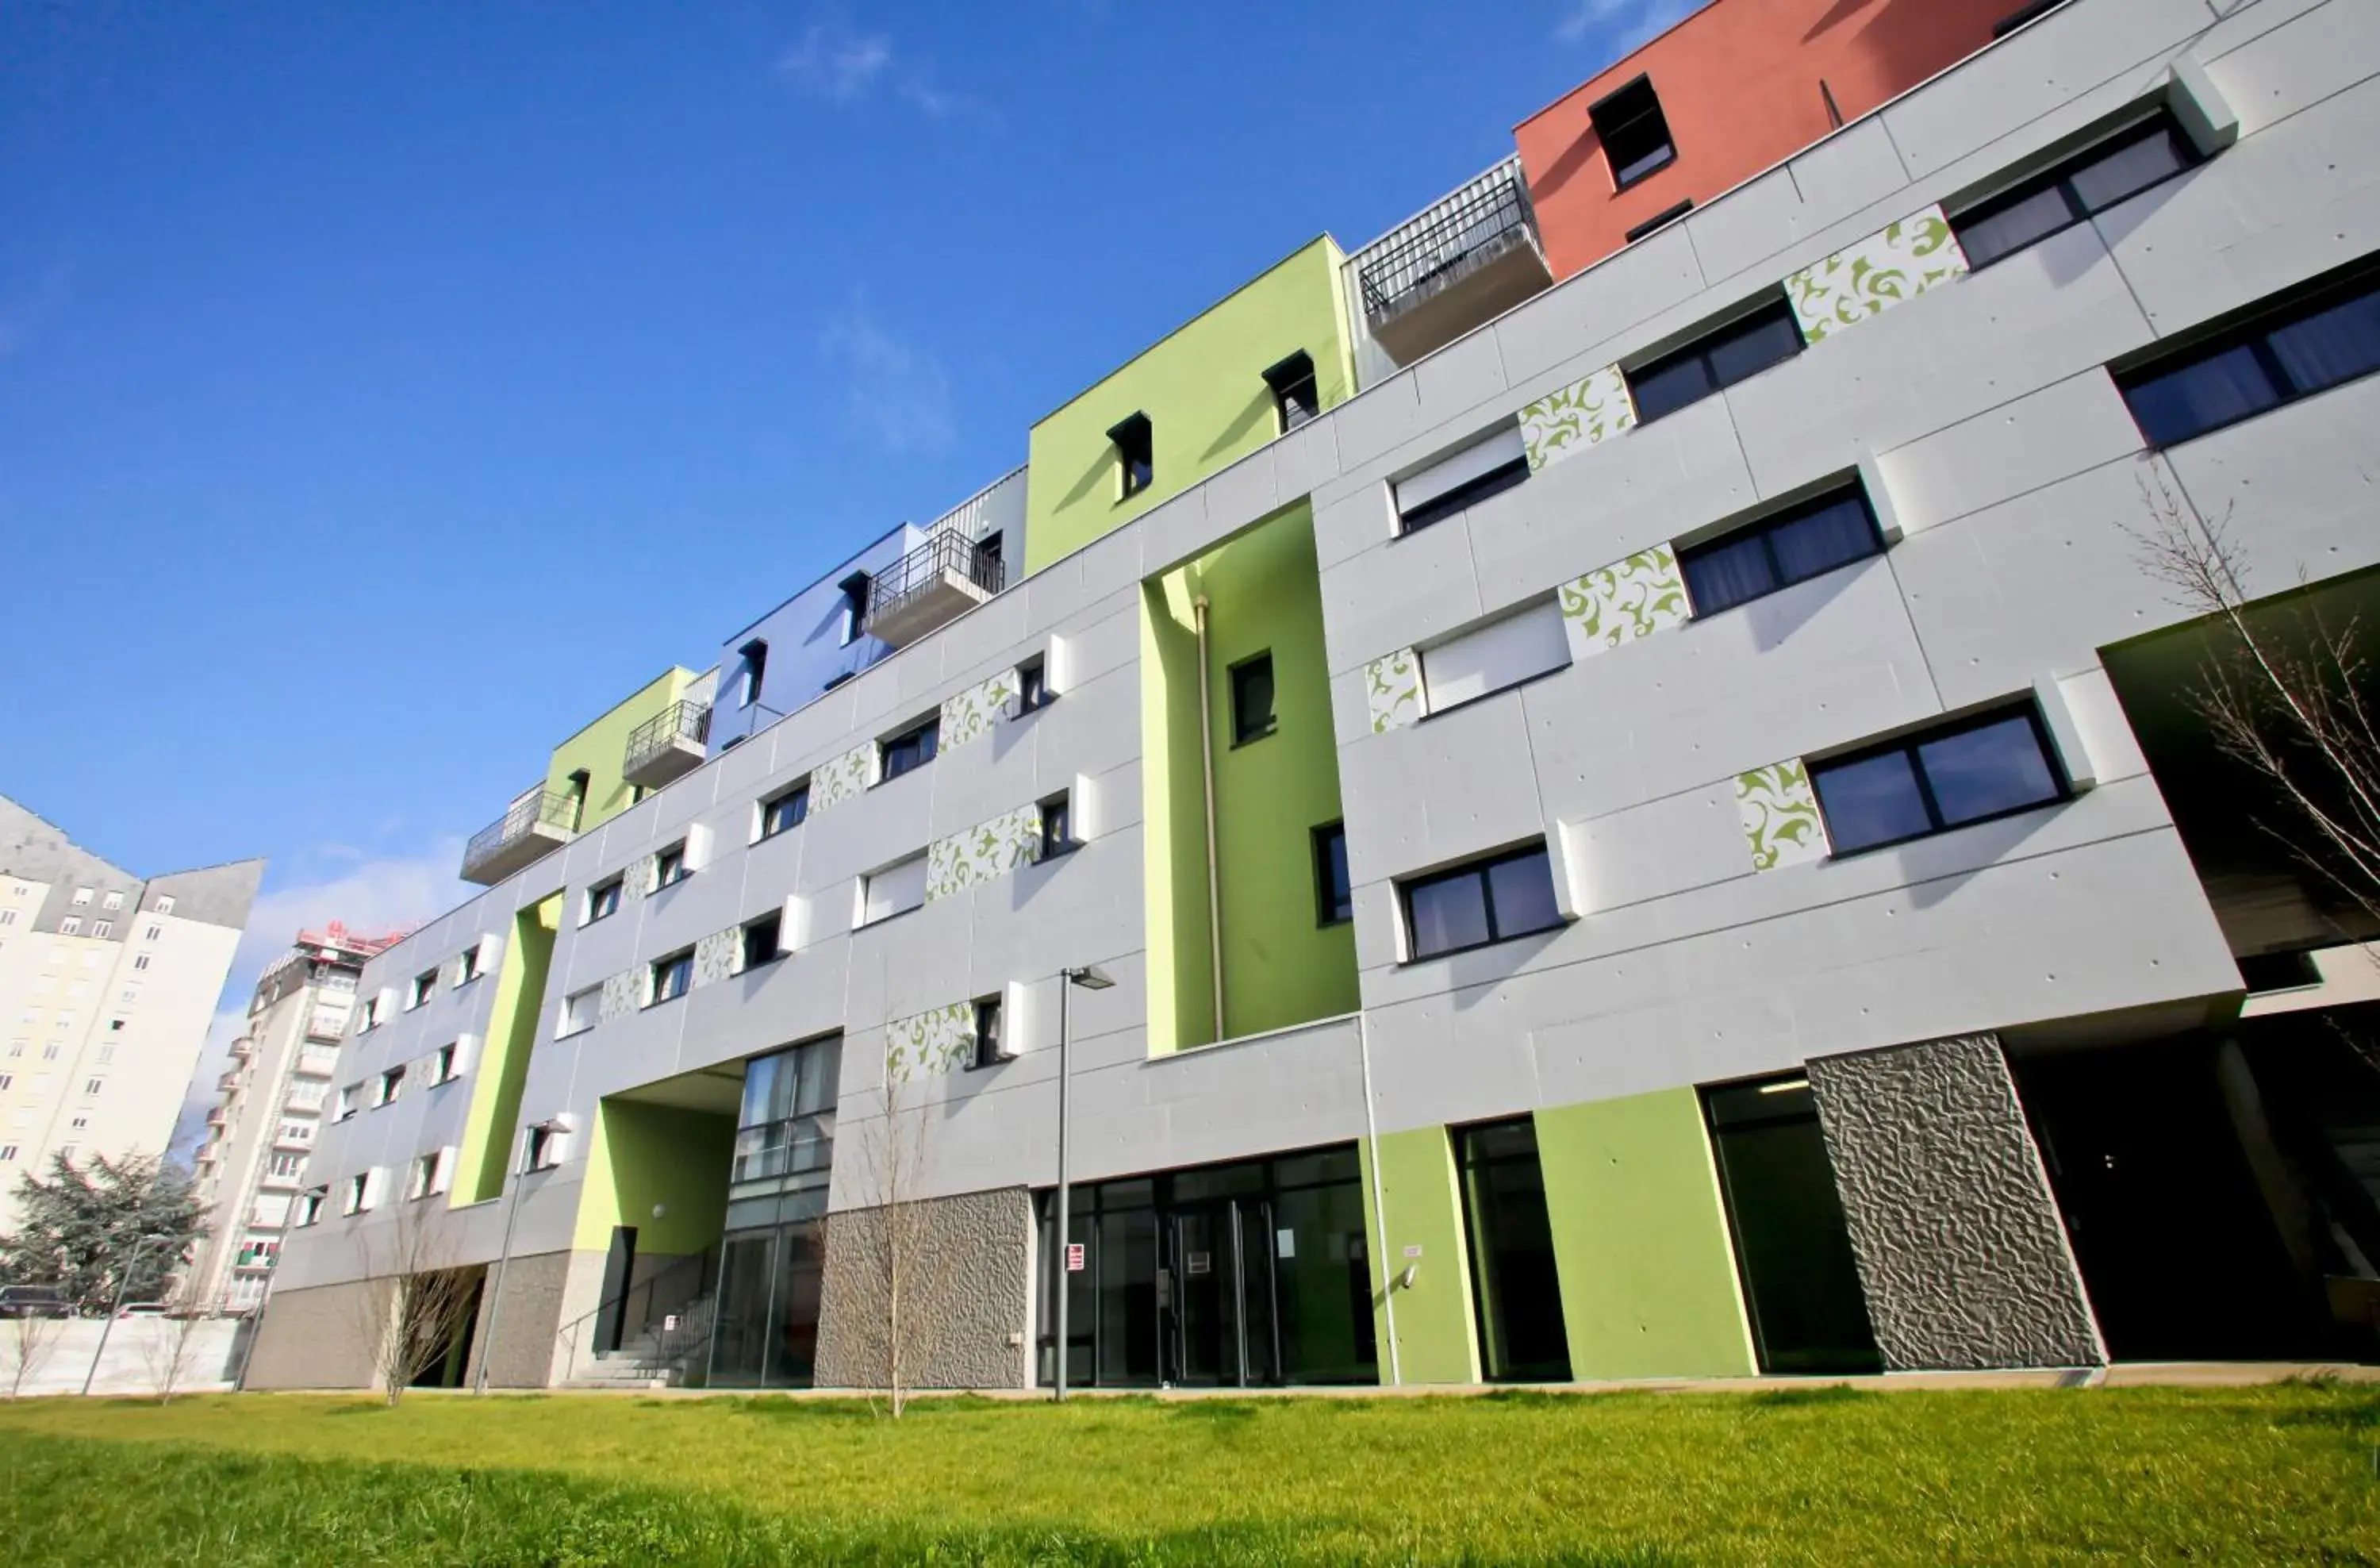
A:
[647,1155]
[1415,1183]
[1280,967]
[1649,1280]
[502,1067]
[603,747]
[1203,390]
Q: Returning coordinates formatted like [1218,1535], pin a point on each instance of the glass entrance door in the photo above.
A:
[1225,1296]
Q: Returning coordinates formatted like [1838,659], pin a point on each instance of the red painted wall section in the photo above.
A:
[1739,85]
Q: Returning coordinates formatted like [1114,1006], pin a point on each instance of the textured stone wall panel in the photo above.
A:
[541,1292]
[970,1294]
[318,1337]
[1959,1247]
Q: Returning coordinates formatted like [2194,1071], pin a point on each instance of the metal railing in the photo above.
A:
[548,807]
[1408,262]
[647,1307]
[680,720]
[924,566]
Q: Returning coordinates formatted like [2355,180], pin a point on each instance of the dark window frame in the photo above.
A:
[922,740]
[1233,675]
[769,826]
[1910,743]
[1476,870]
[1464,496]
[1659,222]
[1292,375]
[668,866]
[598,907]
[1329,900]
[1771,309]
[1134,440]
[774,922]
[754,673]
[1765,528]
[679,965]
[1611,117]
[2059,177]
[985,1052]
[2252,328]
[467,965]
[1057,811]
[424,987]
[1033,692]
[858,588]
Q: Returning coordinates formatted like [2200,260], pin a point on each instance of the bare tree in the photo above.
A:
[171,1351]
[889,1254]
[28,1340]
[2291,705]
[415,1300]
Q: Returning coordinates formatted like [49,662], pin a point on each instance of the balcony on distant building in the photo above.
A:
[931,586]
[539,822]
[1463,262]
[671,743]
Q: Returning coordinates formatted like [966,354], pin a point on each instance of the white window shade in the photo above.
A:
[894,889]
[580,1010]
[1460,468]
[1503,653]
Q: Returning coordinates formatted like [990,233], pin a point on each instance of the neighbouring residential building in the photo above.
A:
[252,1165]
[108,982]
[1556,797]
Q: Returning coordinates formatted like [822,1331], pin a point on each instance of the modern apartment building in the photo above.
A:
[108,982]
[1650,825]
[252,1165]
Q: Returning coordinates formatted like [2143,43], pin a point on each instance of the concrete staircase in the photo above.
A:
[656,1359]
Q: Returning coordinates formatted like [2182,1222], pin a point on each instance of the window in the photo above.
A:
[70,926]
[672,976]
[912,748]
[467,965]
[429,1177]
[1032,686]
[987,556]
[2023,15]
[1488,901]
[1969,771]
[986,1034]
[113,901]
[310,1206]
[1635,134]
[1334,900]
[7,1081]
[855,606]
[668,866]
[1252,716]
[425,985]
[1737,351]
[1658,220]
[2293,350]
[78,1124]
[287,1164]
[155,932]
[442,1069]
[106,1054]
[1295,397]
[754,672]
[895,889]
[8,1152]
[1485,468]
[1800,543]
[140,961]
[387,1087]
[91,1087]
[1135,449]
[787,809]
[7,917]
[602,900]
[50,1052]
[82,897]
[2092,181]
[103,928]
[1057,826]
[361,1193]
[580,1010]
[350,1101]
[165,904]
[762,939]
[1501,654]
[16,1047]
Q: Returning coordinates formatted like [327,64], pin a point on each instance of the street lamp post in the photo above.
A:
[123,1284]
[1090,978]
[520,1174]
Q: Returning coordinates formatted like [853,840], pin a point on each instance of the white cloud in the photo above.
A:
[376,896]
[837,65]
[900,394]
[1619,26]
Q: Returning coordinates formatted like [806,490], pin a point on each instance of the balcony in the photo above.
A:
[539,823]
[931,586]
[1463,262]
[318,1064]
[672,742]
[232,1079]
[323,1023]
[215,1116]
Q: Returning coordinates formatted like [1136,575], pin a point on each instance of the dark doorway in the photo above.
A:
[452,1364]
[1515,1287]
[619,1268]
[2176,1243]
[1792,1249]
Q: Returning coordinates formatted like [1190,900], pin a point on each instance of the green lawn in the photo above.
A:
[2273,1475]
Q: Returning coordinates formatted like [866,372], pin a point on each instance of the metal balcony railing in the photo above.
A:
[546,808]
[1487,216]
[924,568]
[682,723]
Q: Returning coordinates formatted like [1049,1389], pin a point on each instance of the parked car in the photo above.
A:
[34,1301]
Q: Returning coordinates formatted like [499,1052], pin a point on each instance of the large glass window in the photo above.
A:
[2092,181]
[2294,350]
[1516,1290]
[1938,780]
[1488,901]
[1737,351]
[765,1332]
[1793,545]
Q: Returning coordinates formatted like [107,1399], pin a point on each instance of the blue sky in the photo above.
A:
[386,390]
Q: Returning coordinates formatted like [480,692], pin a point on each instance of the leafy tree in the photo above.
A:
[83,1228]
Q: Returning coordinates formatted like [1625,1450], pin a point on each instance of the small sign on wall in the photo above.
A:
[1074,1258]
[1414,1251]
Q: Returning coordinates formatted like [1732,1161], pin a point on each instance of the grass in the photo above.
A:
[2272,1475]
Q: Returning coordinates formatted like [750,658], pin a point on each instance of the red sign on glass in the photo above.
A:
[1074,1258]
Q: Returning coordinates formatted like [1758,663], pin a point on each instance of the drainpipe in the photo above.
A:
[1206,779]
[1380,1203]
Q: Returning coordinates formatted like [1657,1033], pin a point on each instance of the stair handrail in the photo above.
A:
[698,1264]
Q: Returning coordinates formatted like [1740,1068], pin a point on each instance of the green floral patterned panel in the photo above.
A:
[1779,811]
[1392,688]
[718,956]
[987,850]
[970,714]
[1869,278]
[1574,419]
[940,1041]
[846,776]
[621,996]
[1639,596]
[637,880]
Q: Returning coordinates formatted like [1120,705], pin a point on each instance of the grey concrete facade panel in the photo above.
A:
[320,1338]
[1961,1250]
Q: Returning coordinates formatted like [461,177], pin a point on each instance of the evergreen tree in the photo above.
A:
[85,1226]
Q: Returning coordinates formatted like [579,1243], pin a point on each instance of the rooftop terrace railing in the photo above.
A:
[1487,217]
